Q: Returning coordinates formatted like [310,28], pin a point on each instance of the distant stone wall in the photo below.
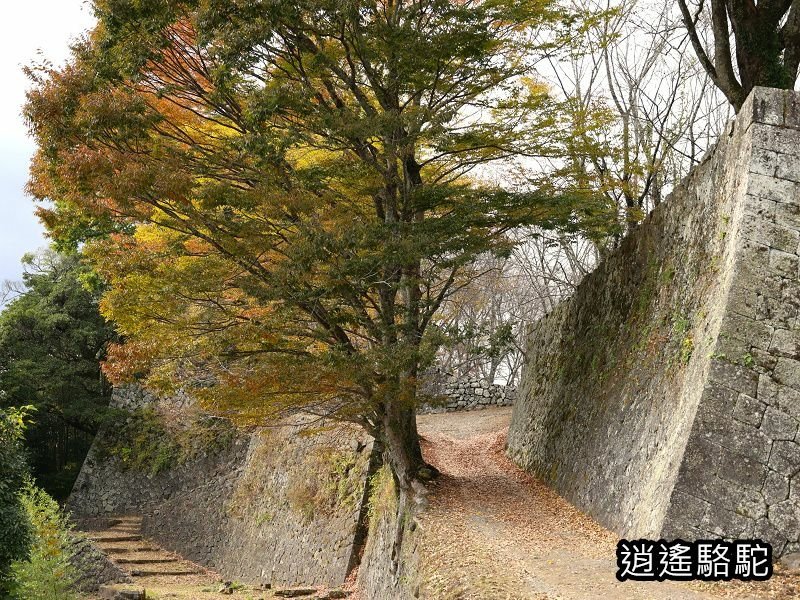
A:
[273,507]
[134,397]
[453,393]
[663,398]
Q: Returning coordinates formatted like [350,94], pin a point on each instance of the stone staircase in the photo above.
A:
[157,572]
[143,560]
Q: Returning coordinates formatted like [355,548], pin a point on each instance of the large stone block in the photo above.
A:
[787,372]
[776,487]
[734,376]
[786,342]
[748,410]
[785,457]
[741,469]
[777,425]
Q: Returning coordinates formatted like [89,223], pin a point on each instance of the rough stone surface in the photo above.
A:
[791,562]
[122,593]
[663,398]
[274,507]
[294,592]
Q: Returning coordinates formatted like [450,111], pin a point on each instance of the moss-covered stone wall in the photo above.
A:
[663,398]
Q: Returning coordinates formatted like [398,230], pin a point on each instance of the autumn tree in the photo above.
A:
[281,194]
[754,43]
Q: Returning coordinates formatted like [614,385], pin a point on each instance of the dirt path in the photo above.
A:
[493,532]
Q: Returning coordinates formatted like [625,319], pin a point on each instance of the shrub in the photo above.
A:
[14,529]
[302,495]
[140,441]
[47,573]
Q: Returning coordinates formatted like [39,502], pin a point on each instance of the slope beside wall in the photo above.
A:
[663,398]
[269,507]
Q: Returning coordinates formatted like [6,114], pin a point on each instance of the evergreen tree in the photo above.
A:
[15,531]
[52,339]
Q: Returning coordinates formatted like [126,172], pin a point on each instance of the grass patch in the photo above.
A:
[252,491]
[687,349]
[382,495]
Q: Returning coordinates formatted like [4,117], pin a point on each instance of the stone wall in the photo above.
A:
[134,397]
[92,567]
[273,507]
[451,393]
[663,398]
[290,517]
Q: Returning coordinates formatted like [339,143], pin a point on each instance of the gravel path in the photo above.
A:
[494,532]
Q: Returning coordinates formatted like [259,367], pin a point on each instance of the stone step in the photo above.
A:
[145,561]
[294,592]
[163,572]
[159,554]
[125,550]
[115,592]
[106,539]
[124,530]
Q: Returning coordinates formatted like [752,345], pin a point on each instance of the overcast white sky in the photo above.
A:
[26,28]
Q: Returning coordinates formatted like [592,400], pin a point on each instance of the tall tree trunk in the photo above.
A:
[401,448]
[402,452]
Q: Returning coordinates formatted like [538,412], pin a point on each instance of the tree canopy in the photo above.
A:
[282,194]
